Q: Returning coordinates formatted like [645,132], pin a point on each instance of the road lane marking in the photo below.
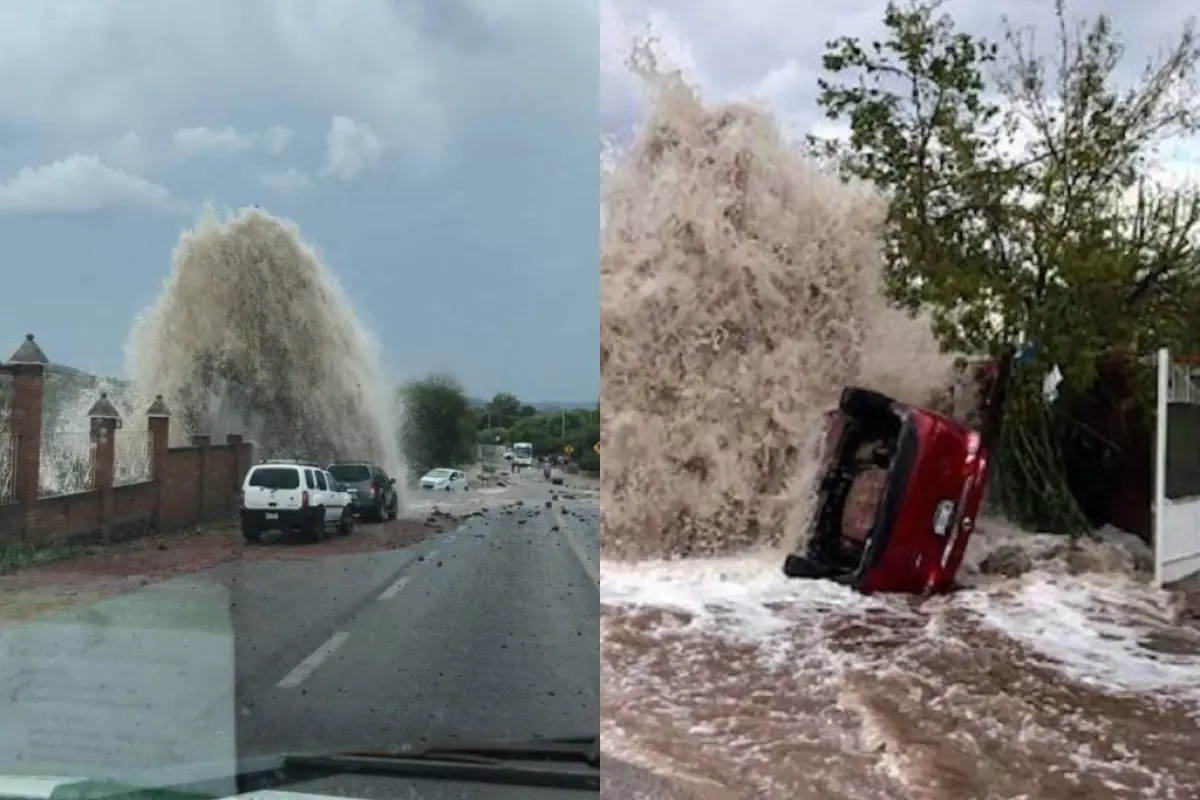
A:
[591,569]
[394,589]
[310,665]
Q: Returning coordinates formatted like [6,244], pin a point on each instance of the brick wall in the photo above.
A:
[185,485]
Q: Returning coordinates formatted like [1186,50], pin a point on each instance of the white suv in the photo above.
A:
[293,496]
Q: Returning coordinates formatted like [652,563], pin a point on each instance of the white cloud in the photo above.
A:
[760,53]
[192,142]
[276,140]
[127,152]
[290,182]
[78,69]
[353,148]
[79,183]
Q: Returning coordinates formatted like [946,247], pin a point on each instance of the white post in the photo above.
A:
[1160,460]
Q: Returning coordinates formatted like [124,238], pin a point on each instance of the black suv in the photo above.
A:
[373,491]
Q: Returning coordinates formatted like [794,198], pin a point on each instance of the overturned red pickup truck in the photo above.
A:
[898,498]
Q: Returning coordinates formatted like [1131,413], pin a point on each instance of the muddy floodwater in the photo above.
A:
[1048,685]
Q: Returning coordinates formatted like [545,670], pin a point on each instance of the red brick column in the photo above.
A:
[104,420]
[240,464]
[158,423]
[202,443]
[103,430]
[28,368]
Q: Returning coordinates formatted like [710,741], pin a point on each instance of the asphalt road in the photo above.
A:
[491,631]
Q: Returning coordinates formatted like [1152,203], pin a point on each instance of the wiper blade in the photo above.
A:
[576,749]
[442,765]
[570,763]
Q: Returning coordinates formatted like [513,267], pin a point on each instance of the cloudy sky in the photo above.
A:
[770,50]
[441,154]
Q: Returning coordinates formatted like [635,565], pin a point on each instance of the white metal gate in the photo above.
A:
[1176,509]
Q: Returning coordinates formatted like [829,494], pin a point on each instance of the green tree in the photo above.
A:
[439,427]
[505,409]
[1021,210]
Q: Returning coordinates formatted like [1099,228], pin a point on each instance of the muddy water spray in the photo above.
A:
[741,290]
[253,335]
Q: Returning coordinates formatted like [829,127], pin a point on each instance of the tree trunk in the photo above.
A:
[993,412]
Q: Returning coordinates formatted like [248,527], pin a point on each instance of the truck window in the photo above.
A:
[275,478]
[321,480]
[308,479]
[350,473]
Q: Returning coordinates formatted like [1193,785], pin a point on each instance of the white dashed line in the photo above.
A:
[592,570]
[311,664]
[394,589]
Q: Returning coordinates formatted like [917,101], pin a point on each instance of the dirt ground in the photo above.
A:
[104,571]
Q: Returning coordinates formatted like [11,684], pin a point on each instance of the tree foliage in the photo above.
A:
[1022,202]
[439,426]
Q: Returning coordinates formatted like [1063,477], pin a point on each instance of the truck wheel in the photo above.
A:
[346,523]
[314,530]
[251,534]
[799,566]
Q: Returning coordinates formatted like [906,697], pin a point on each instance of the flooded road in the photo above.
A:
[1049,685]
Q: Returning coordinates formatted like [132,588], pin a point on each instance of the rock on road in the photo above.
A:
[489,630]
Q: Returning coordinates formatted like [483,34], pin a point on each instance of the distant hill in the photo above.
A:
[70,391]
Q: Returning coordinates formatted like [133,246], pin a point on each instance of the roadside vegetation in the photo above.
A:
[1030,215]
[442,427]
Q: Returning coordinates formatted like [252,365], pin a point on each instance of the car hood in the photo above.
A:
[32,786]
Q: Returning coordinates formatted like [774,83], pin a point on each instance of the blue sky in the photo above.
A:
[440,155]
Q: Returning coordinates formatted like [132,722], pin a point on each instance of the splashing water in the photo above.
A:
[253,335]
[740,292]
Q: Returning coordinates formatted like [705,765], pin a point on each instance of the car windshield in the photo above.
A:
[350,473]
[215,541]
[274,478]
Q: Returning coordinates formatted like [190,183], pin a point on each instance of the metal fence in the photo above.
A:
[8,465]
[67,464]
[8,442]
[133,457]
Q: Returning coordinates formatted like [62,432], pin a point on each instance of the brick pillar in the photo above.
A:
[158,423]
[203,443]
[104,420]
[28,368]
[240,465]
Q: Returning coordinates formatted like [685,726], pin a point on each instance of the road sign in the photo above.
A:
[569,449]
[596,447]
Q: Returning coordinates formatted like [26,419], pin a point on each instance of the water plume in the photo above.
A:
[253,335]
[741,289]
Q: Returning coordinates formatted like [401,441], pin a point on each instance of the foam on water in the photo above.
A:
[252,334]
[723,670]
[740,291]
